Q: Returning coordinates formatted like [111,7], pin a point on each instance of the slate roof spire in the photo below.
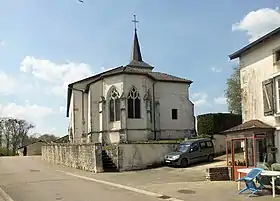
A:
[136,57]
[136,52]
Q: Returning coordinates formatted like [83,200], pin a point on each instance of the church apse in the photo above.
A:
[133,103]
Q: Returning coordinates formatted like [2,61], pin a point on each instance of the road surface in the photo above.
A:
[29,179]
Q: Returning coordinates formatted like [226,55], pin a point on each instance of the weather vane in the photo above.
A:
[135,22]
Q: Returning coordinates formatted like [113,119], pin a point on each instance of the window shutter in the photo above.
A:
[268,98]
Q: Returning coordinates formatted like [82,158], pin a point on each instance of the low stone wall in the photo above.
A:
[81,156]
[138,156]
[219,144]
[218,174]
[141,156]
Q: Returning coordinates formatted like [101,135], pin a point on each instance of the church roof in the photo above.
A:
[157,76]
[136,52]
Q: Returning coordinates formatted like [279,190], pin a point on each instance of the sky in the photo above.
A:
[47,44]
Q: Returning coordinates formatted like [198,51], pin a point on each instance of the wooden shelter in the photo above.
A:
[249,144]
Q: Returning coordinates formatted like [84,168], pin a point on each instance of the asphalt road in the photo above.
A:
[29,179]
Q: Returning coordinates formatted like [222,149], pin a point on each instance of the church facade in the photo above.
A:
[130,103]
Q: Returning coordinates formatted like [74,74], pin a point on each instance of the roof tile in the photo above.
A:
[255,123]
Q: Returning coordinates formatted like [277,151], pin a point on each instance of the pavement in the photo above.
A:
[30,179]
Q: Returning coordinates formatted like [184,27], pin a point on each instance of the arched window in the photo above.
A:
[134,105]
[114,106]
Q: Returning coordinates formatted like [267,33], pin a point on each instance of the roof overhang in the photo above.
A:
[250,125]
[259,41]
[71,85]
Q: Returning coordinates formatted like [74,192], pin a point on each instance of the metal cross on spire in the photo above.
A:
[135,22]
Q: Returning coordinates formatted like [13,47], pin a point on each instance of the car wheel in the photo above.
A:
[210,158]
[184,162]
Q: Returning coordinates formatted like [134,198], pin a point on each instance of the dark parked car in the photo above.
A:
[191,151]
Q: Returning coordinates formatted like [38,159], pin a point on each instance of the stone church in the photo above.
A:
[130,103]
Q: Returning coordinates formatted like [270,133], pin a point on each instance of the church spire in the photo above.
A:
[136,52]
[136,57]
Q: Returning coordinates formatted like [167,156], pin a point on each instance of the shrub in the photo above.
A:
[214,123]
[5,152]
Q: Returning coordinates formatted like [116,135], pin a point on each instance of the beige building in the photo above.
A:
[260,81]
[130,103]
[31,149]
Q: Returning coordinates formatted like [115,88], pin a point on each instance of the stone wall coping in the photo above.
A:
[150,143]
[72,144]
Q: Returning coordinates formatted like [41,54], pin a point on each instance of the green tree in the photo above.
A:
[233,93]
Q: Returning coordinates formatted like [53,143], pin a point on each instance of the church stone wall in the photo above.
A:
[71,122]
[108,83]
[138,135]
[81,156]
[168,96]
[95,94]
[174,96]
[143,84]
[76,111]
[77,115]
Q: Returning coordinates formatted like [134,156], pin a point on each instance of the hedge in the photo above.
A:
[214,123]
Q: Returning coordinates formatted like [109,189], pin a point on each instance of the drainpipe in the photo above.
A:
[154,112]
[83,117]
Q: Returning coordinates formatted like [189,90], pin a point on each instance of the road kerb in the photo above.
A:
[4,195]
[136,190]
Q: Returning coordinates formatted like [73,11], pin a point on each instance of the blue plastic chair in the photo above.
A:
[249,181]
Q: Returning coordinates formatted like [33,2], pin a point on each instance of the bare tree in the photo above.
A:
[14,132]
[48,137]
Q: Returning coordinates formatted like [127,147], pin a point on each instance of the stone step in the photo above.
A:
[108,163]
[110,169]
[106,156]
[107,159]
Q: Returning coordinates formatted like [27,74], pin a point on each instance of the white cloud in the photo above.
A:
[57,75]
[26,111]
[62,109]
[216,70]
[258,23]
[32,113]
[14,84]
[8,85]
[200,99]
[221,100]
